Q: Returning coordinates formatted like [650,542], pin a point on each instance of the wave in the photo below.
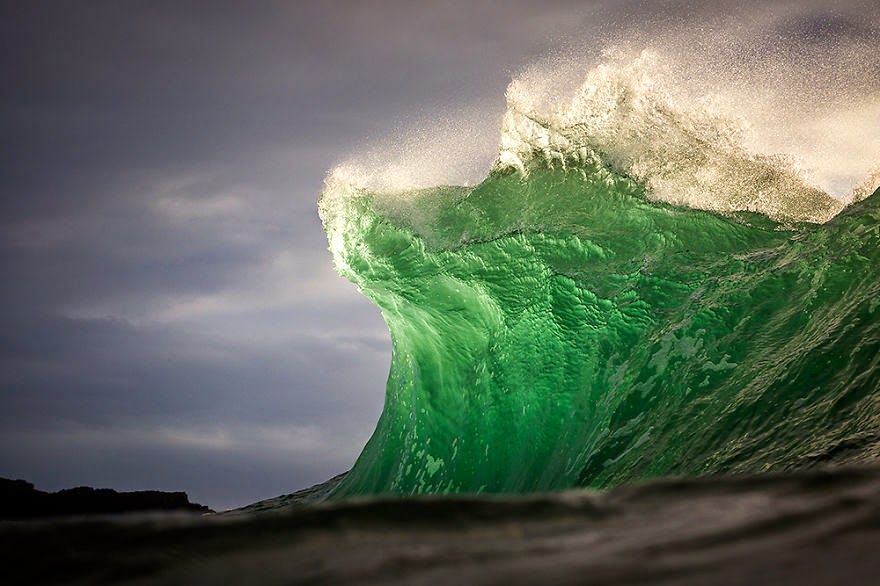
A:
[631,292]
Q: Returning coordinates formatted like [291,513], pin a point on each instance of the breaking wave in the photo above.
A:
[632,291]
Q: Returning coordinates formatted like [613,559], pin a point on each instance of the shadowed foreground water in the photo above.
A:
[817,527]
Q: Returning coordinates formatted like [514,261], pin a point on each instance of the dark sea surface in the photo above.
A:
[811,527]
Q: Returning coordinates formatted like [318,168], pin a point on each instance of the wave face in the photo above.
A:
[598,311]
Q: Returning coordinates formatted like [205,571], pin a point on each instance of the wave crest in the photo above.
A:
[687,153]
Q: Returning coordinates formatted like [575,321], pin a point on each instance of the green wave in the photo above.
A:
[559,329]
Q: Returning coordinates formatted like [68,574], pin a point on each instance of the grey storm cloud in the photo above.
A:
[169,315]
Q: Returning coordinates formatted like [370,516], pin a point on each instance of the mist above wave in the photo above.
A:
[683,149]
[781,119]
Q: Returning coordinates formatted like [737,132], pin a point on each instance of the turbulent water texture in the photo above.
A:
[573,320]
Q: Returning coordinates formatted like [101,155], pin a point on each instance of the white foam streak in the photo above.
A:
[868,186]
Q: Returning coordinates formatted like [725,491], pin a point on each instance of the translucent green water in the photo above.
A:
[563,331]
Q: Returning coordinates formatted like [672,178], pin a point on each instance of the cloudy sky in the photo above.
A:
[170,317]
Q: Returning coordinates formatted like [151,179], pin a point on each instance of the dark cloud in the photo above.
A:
[113,95]
[77,393]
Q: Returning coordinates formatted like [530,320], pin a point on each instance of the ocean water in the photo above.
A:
[631,292]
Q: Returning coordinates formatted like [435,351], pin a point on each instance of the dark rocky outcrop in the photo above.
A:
[20,500]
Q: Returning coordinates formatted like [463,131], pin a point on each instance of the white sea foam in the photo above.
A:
[868,186]
[685,151]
